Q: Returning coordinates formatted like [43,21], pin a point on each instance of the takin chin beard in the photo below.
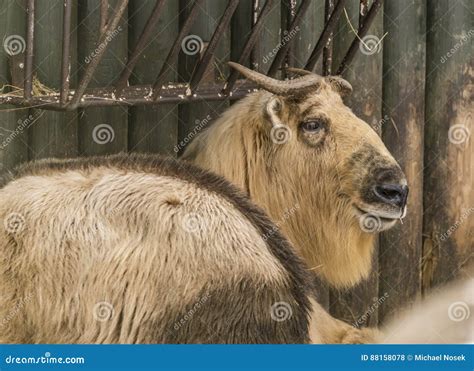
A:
[343,255]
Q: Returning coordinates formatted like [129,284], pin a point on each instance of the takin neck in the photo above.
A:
[321,227]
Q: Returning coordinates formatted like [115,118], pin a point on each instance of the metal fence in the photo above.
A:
[97,77]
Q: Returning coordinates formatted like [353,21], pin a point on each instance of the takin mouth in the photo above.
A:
[372,220]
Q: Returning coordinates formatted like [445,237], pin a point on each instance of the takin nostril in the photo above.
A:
[393,194]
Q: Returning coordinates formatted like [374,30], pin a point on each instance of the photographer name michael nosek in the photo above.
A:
[413,357]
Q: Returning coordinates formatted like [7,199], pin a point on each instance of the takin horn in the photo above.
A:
[298,86]
[343,87]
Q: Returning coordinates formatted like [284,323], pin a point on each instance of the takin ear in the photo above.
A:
[273,110]
[343,87]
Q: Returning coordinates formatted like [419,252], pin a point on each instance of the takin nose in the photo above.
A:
[392,194]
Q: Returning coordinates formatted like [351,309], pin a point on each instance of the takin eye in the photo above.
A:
[313,126]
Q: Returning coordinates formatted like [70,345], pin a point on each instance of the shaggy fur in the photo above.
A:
[330,174]
[444,317]
[141,249]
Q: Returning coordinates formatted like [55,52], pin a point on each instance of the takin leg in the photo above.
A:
[325,329]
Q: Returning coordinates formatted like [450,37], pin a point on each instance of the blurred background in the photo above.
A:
[76,79]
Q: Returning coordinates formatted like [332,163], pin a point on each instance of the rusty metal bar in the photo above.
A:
[327,50]
[104,40]
[65,63]
[363,9]
[174,51]
[216,36]
[30,32]
[277,62]
[104,9]
[252,39]
[141,45]
[363,28]
[136,95]
[323,39]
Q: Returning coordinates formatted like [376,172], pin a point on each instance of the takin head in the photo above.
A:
[323,175]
